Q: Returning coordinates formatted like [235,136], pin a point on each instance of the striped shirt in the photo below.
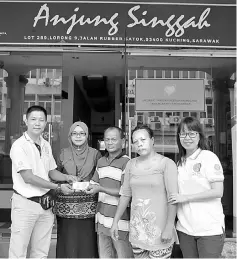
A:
[110,174]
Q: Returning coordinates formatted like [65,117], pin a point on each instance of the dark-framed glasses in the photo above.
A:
[191,134]
[78,134]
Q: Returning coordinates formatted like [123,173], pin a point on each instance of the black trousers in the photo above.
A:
[76,238]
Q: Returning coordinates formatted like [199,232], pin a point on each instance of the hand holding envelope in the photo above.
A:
[80,186]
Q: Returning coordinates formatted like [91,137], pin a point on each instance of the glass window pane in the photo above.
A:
[201,74]
[192,74]
[33,73]
[202,115]
[57,97]
[139,73]
[208,100]
[175,74]
[42,73]
[158,73]
[168,74]
[176,113]
[57,108]
[185,74]
[48,108]
[44,97]
[58,73]
[150,73]
[131,74]
[50,73]
[29,97]
[185,114]
[131,110]
[193,114]
[41,104]
[160,114]
[209,111]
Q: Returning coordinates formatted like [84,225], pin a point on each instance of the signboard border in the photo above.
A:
[186,79]
[125,44]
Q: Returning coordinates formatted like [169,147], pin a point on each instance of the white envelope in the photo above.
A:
[80,185]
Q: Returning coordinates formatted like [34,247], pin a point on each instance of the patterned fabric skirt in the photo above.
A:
[160,253]
[78,205]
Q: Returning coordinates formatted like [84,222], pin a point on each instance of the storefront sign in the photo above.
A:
[169,95]
[117,23]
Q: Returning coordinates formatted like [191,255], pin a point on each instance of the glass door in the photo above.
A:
[93,91]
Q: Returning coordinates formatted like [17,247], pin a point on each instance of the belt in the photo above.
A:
[35,198]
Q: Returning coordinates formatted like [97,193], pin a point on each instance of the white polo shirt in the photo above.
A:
[25,155]
[202,218]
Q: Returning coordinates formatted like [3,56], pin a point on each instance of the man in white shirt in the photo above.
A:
[32,160]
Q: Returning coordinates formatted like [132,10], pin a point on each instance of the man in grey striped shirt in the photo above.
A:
[107,181]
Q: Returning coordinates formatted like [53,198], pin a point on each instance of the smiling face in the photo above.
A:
[78,136]
[35,122]
[142,142]
[189,139]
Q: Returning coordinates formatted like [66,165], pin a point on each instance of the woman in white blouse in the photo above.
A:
[200,178]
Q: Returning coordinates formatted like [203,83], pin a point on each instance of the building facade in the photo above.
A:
[120,63]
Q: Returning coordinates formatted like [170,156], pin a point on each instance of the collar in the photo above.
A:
[28,138]
[118,156]
[195,154]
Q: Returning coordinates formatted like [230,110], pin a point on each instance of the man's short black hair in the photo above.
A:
[36,108]
[121,132]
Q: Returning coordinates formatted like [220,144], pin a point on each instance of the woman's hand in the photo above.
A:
[114,231]
[177,198]
[71,178]
[167,234]
[66,189]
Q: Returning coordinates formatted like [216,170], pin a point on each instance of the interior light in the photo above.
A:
[5,53]
[94,76]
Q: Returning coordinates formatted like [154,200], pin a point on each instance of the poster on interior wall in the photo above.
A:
[169,94]
[118,23]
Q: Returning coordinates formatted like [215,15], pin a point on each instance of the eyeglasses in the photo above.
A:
[191,134]
[78,134]
[113,140]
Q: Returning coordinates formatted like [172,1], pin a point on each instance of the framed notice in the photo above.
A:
[169,94]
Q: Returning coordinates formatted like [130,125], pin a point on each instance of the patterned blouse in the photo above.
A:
[148,189]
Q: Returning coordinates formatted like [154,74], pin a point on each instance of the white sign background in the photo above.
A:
[169,94]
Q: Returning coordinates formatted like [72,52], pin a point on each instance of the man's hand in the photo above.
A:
[66,189]
[70,178]
[93,189]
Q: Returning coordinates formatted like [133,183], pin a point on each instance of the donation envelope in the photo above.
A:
[80,185]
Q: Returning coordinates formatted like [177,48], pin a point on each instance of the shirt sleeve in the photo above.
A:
[52,163]
[20,159]
[171,177]
[125,189]
[213,168]
[123,171]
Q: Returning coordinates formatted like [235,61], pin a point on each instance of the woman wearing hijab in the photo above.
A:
[76,237]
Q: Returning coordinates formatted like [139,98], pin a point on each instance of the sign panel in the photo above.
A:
[169,95]
[117,23]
